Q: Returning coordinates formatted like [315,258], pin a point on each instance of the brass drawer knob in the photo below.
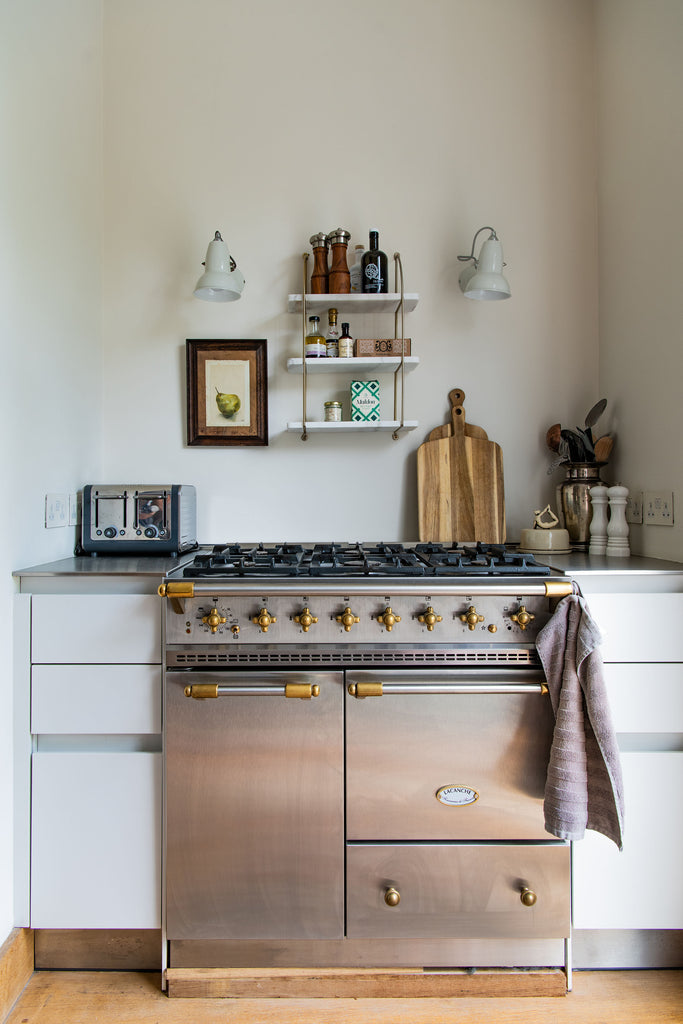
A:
[392,897]
[528,896]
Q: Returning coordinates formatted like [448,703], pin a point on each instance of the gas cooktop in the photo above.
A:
[361,560]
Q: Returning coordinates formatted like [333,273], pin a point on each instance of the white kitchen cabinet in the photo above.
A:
[94,718]
[80,628]
[96,840]
[640,888]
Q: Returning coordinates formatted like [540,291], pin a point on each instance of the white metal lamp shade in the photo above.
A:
[484,279]
[221,281]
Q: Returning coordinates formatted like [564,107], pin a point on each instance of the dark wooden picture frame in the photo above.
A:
[227,392]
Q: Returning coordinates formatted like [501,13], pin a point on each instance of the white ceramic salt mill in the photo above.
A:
[617,528]
[598,524]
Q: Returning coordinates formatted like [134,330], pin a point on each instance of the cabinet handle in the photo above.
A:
[379,689]
[528,896]
[392,897]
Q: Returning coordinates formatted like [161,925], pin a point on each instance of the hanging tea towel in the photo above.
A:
[584,786]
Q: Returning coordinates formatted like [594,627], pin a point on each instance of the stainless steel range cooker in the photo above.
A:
[356,741]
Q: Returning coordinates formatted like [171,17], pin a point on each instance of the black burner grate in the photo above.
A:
[362,560]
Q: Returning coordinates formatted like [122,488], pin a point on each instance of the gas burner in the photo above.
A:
[479,560]
[362,560]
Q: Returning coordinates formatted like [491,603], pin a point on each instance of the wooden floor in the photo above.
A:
[599,997]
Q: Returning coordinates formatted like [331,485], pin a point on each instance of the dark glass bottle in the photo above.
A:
[374,272]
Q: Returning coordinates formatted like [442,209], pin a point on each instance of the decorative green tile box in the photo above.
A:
[365,401]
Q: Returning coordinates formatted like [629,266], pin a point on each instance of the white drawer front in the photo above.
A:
[95,699]
[645,698]
[114,628]
[641,887]
[96,843]
[639,627]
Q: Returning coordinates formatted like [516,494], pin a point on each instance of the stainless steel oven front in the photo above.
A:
[354,775]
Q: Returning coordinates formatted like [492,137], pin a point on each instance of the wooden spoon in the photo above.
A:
[603,448]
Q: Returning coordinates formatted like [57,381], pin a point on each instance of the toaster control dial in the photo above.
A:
[110,532]
[151,531]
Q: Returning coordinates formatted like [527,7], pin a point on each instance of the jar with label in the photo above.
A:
[333,412]
[332,338]
[315,342]
[345,343]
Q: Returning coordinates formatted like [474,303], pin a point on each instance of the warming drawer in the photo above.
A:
[452,890]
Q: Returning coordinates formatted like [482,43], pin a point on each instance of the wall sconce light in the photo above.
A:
[221,280]
[484,278]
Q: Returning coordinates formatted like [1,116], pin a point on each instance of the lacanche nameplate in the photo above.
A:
[457,796]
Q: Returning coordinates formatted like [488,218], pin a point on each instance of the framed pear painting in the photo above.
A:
[227,392]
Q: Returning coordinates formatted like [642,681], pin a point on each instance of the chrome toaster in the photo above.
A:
[142,519]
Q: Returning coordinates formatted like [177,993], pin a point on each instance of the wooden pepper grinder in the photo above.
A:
[340,278]
[319,275]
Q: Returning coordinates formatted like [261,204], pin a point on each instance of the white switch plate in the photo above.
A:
[56,510]
[634,507]
[74,509]
[658,508]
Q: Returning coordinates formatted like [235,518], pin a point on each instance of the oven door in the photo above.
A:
[452,755]
[254,805]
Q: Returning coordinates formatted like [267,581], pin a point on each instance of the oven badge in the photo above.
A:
[457,796]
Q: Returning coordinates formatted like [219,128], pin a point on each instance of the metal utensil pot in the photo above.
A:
[575,500]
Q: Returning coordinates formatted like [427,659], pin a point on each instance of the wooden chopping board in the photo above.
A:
[460,482]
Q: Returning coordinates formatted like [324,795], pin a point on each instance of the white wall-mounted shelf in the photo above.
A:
[355,364]
[353,303]
[351,426]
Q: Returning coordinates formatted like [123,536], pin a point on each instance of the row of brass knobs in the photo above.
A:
[392,896]
[347,619]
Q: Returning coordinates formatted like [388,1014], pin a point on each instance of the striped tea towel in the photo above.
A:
[584,786]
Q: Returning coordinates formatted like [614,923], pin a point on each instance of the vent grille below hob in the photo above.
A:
[346,658]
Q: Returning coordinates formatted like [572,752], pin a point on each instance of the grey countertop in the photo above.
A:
[579,563]
[107,565]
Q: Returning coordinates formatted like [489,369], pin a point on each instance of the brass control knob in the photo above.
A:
[392,897]
[388,619]
[264,619]
[522,617]
[347,619]
[213,620]
[471,617]
[528,896]
[305,619]
[430,618]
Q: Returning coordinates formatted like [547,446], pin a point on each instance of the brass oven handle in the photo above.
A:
[378,689]
[203,691]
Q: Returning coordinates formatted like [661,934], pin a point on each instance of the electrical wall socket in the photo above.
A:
[658,508]
[634,507]
[56,510]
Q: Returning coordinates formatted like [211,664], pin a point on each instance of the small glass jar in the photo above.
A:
[333,412]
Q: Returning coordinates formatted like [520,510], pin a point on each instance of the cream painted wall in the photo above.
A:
[271,121]
[50,215]
[640,151]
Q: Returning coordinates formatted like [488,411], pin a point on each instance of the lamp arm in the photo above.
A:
[471,256]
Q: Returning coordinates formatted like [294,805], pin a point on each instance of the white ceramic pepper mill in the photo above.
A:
[617,528]
[598,523]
